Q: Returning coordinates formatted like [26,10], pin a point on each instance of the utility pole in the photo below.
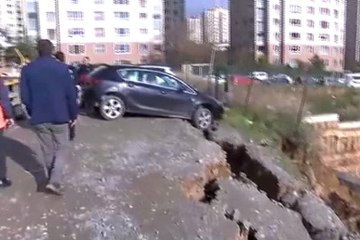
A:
[57,19]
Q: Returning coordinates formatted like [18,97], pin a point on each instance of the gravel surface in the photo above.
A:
[124,181]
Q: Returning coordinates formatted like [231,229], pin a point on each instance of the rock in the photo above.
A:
[320,220]
[245,204]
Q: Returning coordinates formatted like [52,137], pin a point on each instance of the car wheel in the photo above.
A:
[203,118]
[112,107]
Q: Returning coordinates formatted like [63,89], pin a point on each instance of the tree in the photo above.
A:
[317,63]
[26,47]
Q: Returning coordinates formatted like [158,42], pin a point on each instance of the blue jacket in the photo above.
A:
[48,92]
[5,101]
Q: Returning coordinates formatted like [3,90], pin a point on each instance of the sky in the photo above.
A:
[194,7]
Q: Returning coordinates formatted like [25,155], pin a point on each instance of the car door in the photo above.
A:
[170,99]
[138,95]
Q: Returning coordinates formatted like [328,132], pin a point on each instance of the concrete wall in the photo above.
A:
[338,142]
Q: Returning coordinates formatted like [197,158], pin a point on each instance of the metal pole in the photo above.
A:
[57,19]
[211,67]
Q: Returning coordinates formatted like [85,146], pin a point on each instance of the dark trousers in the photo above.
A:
[3,168]
[55,149]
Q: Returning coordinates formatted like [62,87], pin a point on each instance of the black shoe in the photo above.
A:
[54,188]
[5,182]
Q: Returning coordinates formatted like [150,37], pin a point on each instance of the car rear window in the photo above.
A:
[104,73]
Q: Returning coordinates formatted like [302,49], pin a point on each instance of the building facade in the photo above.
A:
[195,29]
[216,26]
[30,13]
[175,23]
[12,20]
[115,31]
[352,46]
[286,31]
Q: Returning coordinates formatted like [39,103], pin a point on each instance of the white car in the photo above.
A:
[262,76]
[353,80]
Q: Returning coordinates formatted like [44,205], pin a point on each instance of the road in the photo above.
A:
[127,179]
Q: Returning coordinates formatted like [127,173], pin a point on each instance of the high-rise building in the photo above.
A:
[31,18]
[286,31]
[352,44]
[115,31]
[175,24]
[12,20]
[195,29]
[216,25]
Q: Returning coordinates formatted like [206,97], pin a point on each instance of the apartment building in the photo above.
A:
[109,31]
[352,43]
[12,20]
[216,25]
[175,22]
[30,13]
[195,29]
[285,31]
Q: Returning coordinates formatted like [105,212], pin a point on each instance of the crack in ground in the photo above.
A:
[210,191]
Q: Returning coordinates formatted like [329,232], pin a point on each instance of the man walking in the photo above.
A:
[5,122]
[49,94]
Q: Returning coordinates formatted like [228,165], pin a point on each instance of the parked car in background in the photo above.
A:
[261,76]
[116,90]
[241,80]
[352,80]
[281,79]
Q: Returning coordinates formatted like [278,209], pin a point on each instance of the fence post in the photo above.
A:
[301,107]
[248,93]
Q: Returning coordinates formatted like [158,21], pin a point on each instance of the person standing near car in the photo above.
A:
[84,69]
[49,95]
[61,57]
[6,121]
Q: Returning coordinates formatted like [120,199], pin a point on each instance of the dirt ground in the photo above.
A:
[123,181]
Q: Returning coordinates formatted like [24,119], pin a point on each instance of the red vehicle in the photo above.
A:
[241,80]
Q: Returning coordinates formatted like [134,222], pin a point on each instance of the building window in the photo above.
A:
[324,24]
[336,13]
[324,37]
[276,21]
[50,16]
[310,37]
[76,32]
[143,31]
[99,32]
[310,23]
[74,1]
[99,16]
[122,32]
[277,36]
[336,38]
[51,34]
[295,8]
[324,11]
[310,49]
[125,2]
[310,10]
[122,48]
[75,16]
[295,36]
[295,22]
[122,15]
[144,49]
[143,15]
[142,3]
[276,7]
[99,48]
[99,1]
[76,49]
[294,49]
[324,50]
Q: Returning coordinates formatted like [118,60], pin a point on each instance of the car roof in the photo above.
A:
[159,69]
